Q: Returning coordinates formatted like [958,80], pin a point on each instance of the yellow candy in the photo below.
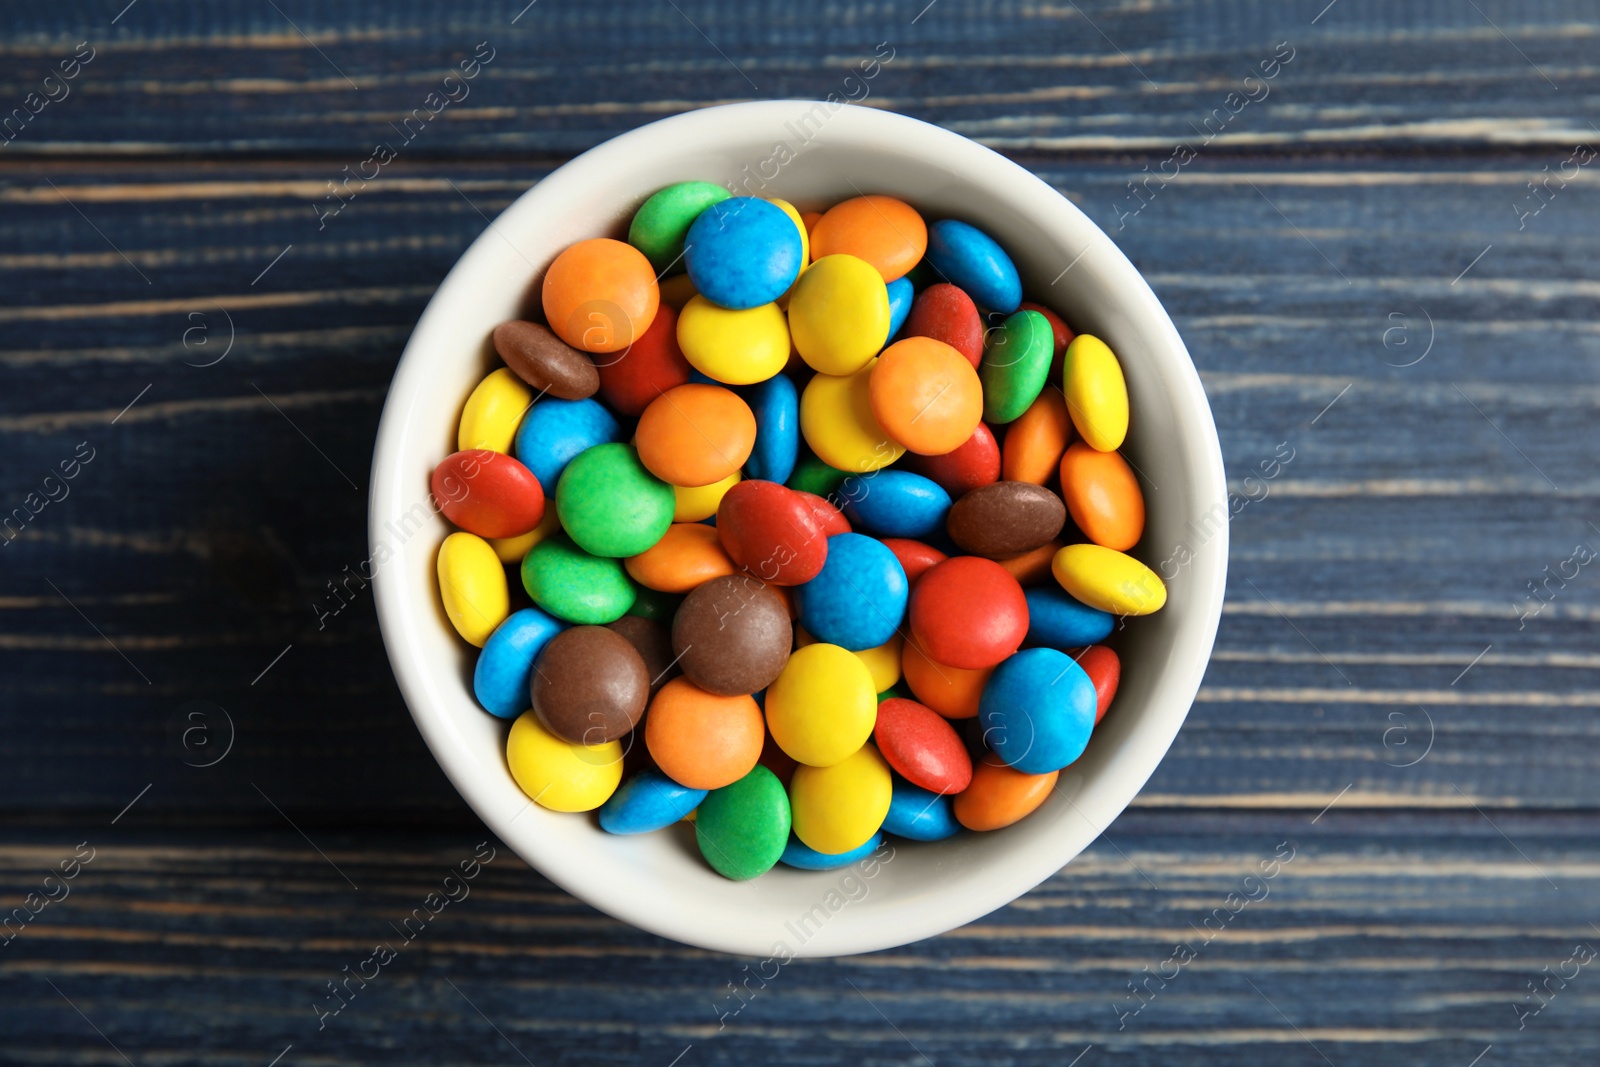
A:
[839,314]
[701,501]
[822,707]
[837,422]
[512,549]
[733,347]
[1109,580]
[805,244]
[1097,395]
[493,412]
[838,808]
[558,774]
[676,291]
[883,662]
[472,583]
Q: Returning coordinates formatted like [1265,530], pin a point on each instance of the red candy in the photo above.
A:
[947,314]
[1104,669]
[1063,336]
[630,380]
[914,556]
[829,519]
[968,612]
[924,748]
[488,493]
[973,464]
[768,529]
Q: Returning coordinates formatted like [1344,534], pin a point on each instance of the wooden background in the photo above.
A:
[1354,262]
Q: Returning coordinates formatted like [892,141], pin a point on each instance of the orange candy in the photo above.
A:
[688,554]
[950,691]
[1102,497]
[695,434]
[1000,795]
[1035,441]
[926,396]
[809,219]
[886,232]
[1033,568]
[702,740]
[600,295]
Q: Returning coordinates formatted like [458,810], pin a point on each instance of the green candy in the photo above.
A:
[573,585]
[742,828]
[811,475]
[1016,364]
[610,505]
[659,226]
[653,604]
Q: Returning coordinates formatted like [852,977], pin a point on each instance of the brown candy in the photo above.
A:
[590,685]
[654,645]
[1005,519]
[545,361]
[732,635]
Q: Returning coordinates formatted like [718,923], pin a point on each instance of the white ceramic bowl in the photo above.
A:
[812,155]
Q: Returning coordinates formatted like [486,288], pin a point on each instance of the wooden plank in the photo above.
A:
[1377,939]
[1399,541]
[329,80]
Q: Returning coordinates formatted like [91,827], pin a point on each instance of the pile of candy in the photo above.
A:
[804,580]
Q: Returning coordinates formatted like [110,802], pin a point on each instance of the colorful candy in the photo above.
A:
[926,396]
[743,827]
[648,801]
[921,746]
[654,364]
[1037,710]
[610,505]
[589,685]
[732,635]
[839,314]
[771,531]
[883,231]
[493,412]
[856,601]
[822,707]
[688,555]
[546,362]
[839,807]
[1097,395]
[561,775]
[700,739]
[895,503]
[945,313]
[838,425]
[1006,519]
[1036,440]
[661,223]
[1103,497]
[473,586]
[488,493]
[737,347]
[1000,795]
[505,666]
[696,435]
[742,253]
[1109,580]
[968,612]
[600,295]
[1016,363]
[573,585]
[967,257]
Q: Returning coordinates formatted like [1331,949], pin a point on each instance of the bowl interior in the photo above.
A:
[812,155]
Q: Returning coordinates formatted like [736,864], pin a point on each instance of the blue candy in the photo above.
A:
[919,815]
[1037,710]
[554,431]
[500,680]
[776,405]
[648,801]
[894,503]
[968,258]
[1056,620]
[742,253]
[901,294]
[858,598]
[796,854]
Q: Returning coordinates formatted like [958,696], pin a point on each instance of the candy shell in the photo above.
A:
[975,463]
[839,314]
[654,605]
[914,556]
[687,555]
[811,475]
[1037,710]
[1104,669]
[743,827]
[838,425]
[600,295]
[695,435]
[901,296]
[553,431]
[945,313]
[1006,519]
[776,406]
[796,854]
[737,347]
[472,584]
[895,503]
[610,504]
[742,252]
[1000,795]
[697,503]
[1036,440]
[661,223]
[648,801]
[1033,568]
[512,549]
[1056,620]
[1097,394]
[919,815]
[922,746]
[880,230]
[558,774]
[571,584]
[500,678]
[1061,334]
[676,291]
[589,685]
[1016,365]
[829,519]
[839,807]
[967,257]
[630,380]
[926,396]
[732,635]
[488,493]
[768,530]
[1109,580]
[544,361]
[950,691]
[968,612]
[1102,496]
[493,413]
[859,597]
[822,706]
[700,739]
[653,642]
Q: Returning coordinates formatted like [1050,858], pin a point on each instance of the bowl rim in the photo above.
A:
[420,686]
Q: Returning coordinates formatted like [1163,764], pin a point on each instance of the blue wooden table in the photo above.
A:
[1383,256]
